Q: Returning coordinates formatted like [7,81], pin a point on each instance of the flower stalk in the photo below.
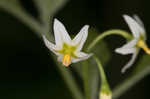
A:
[105,92]
[107,33]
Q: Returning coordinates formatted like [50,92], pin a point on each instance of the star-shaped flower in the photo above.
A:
[67,50]
[139,37]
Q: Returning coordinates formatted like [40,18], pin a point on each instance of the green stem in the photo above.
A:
[106,33]
[86,80]
[105,92]
[104,82]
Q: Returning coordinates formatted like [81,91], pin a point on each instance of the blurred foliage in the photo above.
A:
[46,10]
[141,70]
[14,7]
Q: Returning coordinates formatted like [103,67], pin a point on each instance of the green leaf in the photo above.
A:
[47,9]
[142,69]
[14,7]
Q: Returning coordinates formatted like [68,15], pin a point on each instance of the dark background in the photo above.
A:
[26,69]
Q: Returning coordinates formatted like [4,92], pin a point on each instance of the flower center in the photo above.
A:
[67,51]
[142,44]
[66,60]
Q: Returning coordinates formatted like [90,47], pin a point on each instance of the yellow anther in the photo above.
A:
[147,50]
[66,60]
[143,46]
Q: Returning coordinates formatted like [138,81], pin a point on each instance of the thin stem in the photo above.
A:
[105,92]
[106,33]
[101,70]
[86,80]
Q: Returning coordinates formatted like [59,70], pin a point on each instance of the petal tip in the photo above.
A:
[121,51]
[55,19]
[117,50]
[123,71]
[126,17]
[56,22]
[89,55]
[87,26]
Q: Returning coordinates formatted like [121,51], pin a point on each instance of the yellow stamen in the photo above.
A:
[66,60]
[142,44]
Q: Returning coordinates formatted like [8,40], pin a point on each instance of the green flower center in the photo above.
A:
[68,49]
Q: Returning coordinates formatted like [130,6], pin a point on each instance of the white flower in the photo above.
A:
[67,50]
[139,37]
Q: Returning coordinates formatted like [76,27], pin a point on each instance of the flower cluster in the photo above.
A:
[69,50]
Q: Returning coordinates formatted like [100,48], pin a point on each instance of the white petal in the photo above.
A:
[131,44]
[138,20]
[129,64]
[124,51]
[81,37]
[141,24]
[60,33]
[81,56]
[50,45]
[128,48]
[133,25]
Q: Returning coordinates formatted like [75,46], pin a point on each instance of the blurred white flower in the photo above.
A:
[104,95]
[139,37]
[67,50]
